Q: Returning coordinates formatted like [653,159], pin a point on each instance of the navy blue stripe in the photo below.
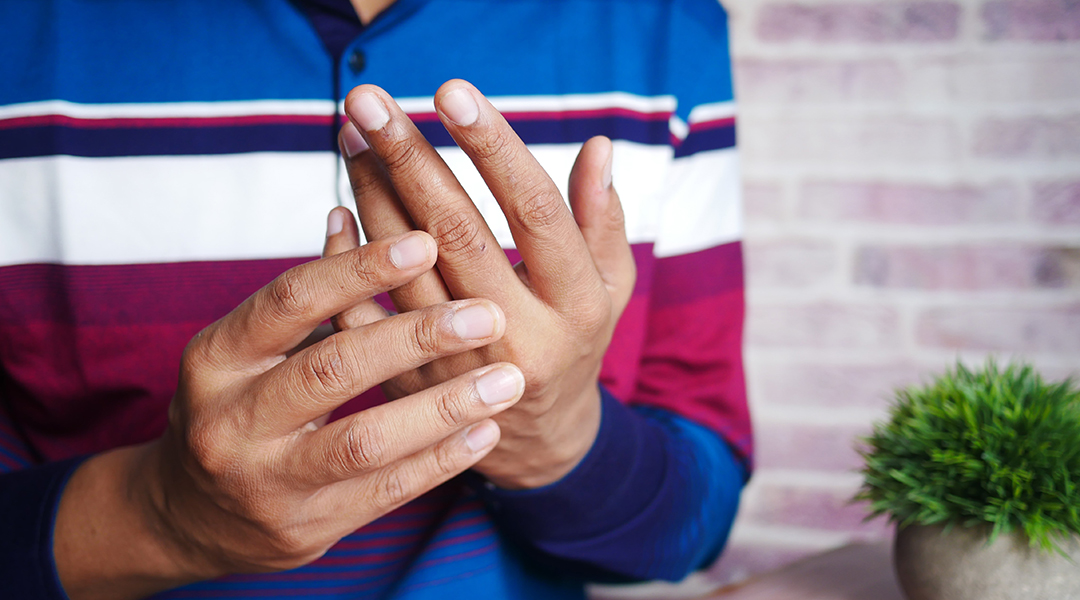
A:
[716,138]
[568,131]
[48,140]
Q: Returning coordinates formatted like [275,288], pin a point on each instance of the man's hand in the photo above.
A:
[562,302]
[245,479]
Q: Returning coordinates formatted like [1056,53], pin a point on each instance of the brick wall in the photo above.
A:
[912,176]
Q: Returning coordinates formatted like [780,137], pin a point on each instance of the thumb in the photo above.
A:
[599,215]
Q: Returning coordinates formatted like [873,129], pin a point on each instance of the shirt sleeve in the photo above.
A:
[654,498]
[656,495]
[691,363]
[29,498]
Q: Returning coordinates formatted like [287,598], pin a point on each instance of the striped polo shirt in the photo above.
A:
[160,161]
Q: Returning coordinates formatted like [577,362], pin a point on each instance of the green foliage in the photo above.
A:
[989,446]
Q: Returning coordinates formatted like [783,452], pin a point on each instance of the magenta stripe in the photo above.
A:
[712,124]
[131,294]
[688,277]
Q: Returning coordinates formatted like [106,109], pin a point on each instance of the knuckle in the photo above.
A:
[291,542]
[288,295]
[392,489]
[364,180]
[427,334]
[364,269]
[401,156]
[363,449]
[459,234]
[206,447]
[539,207]
[325,368]
[446,459]
[593,317]
[451,409]
[194,358]
[496,145]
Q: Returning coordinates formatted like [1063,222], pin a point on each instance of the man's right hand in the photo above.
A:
[245,479]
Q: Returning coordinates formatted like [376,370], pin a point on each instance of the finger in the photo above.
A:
[368,497]
[328,374]
[279,316]
[599,216]
[470,260]
[543,228]
[342,235]
[383,216]
[379,436]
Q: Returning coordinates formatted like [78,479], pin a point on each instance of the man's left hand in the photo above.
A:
[561,302]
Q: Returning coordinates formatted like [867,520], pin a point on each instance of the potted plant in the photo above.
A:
[980,470]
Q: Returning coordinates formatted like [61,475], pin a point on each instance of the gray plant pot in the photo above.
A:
[960,565]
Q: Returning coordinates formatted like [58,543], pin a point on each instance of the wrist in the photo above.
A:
[107,543]
[161,512]
[560,442]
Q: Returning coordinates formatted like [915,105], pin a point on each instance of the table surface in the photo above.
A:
[854,572]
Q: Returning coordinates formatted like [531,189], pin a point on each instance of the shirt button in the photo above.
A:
[357,61]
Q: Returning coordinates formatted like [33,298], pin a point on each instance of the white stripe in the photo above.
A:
[77,210]
[421,105]
[678,127]
[711,112]
[703,206]
[167,110]
[164,209]
[642,104]
[638,171]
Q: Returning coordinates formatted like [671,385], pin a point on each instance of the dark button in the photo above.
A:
[357,61]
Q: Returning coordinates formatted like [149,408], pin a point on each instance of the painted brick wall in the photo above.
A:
[912,177]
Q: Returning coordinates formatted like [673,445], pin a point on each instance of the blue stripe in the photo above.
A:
[50,140]
[568,131]
[15,458]
[716,138]
[26,142]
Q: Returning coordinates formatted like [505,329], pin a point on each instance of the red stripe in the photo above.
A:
[464,539]
[713,124]
[455,557]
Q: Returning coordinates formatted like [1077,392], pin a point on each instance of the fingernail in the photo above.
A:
[369,112]
[481,435]
[460,107]
[474,322]
[352,141]
[606,181]
[409,252]
[501,385]
[334,223]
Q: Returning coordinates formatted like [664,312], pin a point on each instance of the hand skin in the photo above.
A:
[248,477]
[562,301]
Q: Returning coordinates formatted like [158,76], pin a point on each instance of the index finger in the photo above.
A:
[281,314]
[544,229]
[470,260]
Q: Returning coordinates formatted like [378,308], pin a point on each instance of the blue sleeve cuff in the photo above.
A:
[613,484]
[654,498]
[29,500]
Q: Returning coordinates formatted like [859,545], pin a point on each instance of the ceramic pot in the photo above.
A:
[932,565]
